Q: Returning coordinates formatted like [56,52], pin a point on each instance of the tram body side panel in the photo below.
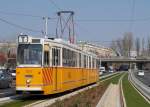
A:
[77,77]
[69,78]
[53,80]
[92,76]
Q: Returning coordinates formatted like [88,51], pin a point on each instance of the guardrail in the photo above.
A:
[144,89]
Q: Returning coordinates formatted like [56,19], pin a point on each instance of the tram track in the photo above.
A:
[42,100]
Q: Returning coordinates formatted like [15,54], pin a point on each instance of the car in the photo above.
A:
[102,69]
[13,74]
[5,79]
[141,73]
[111,69]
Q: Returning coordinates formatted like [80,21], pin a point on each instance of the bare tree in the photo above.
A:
[120,46]
[148,46]
[124,45]
[137,46]
[3,59]
[113,45]
[128,42]
[143,47]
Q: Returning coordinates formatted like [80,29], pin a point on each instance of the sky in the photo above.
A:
[96,20]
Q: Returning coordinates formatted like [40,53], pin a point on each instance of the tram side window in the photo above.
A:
[89,62]
[65,57]
[93,63]
[84,61]
[97,63]
[74,59]
[69,58]
[80,60]
[55,57]
[46,58]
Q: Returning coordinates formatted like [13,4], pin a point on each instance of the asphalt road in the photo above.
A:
[8,91]
[144,79]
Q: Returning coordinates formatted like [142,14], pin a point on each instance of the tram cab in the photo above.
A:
[48,66]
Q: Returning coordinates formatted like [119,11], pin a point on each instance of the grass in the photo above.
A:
[17,103]
[132,97]
[20,102]
[113,80]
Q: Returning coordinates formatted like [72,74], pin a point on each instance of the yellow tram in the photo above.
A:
[48,66]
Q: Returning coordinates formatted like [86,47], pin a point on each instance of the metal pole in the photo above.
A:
[46,26]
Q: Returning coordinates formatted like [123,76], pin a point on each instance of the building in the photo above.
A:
[8,54]
[101,51]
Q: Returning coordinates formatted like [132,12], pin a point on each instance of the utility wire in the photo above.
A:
[87,31]
[22,14]
[115,20]
[18,26]
[132,14]
[55,5]
[19,14]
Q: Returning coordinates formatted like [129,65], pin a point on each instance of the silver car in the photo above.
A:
[5,79]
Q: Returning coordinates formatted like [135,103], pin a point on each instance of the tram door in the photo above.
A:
[55,64]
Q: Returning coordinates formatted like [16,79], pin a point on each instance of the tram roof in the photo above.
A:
[57,41]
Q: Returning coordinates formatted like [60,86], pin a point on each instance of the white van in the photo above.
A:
[141,73]
[102,69]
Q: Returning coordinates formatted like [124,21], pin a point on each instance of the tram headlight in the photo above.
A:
[28,81]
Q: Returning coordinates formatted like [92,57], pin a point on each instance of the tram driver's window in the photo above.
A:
[46,58]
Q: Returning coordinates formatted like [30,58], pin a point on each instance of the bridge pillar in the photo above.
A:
[140,65]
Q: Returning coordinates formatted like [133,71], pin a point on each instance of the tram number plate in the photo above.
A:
[28,76]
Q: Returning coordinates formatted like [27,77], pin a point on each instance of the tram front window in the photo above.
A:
[30,54]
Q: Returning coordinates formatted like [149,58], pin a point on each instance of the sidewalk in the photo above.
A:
[111,97]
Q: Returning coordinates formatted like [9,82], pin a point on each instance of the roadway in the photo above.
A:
[141,83]
[7,92]
[144,79]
